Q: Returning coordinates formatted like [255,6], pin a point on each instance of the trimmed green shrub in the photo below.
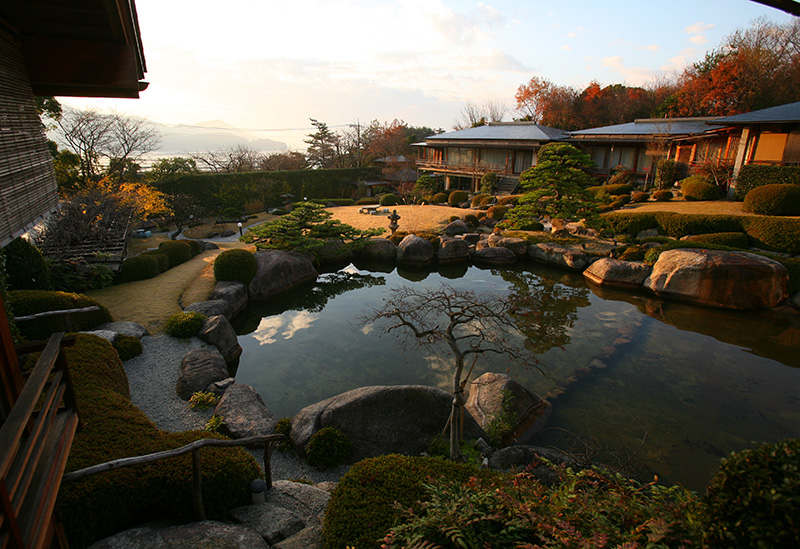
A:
[328,448]
[177,251]
[774,199]
[773,233]
[367,201]
[453,218]
[140,267]
[184,325]
[195,247]
[113,428]
[663,196]
[489,183]
[471,219]
[640,197]
[509,200]
[754,499]
[488,201]
[439,198]
[477,200]
[128,347]
[29,302]
[665,174]
[374,493]
[497,212]
[734,240]
[237,264]
[632,253]
[696,188]
[618,189]
[161,258]
[456,198]
[389,200]
[755,175]
[340,201]
[26,267]
[284,427]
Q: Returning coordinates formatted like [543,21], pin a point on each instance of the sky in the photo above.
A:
[267,67]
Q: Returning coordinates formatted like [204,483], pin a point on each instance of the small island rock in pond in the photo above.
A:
[244,412]
[517,245]
[616,273]
[199,369]
[453,250]
[730,280]
[494,256]
[558,256]
[217,331]
[211,308]
[415,251]
[233,292]
[279,271]
[456,227]
[378,249]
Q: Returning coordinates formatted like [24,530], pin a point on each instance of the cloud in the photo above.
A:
[651,47]
[698,39]
[566,47]
[632,75]
[698,28]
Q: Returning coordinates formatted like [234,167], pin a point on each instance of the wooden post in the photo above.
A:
[268,464]
[197,493]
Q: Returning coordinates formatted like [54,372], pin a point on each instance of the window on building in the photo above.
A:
[769,147]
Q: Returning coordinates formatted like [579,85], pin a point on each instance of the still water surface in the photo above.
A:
[685,386]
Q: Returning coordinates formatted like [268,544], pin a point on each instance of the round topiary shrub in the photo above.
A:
[754,498]
[695,188]
[734,240]
[184,325]
[773,199]
[284,427]
[195,247]
[140,267]
[639,196]
[497,212]
[477,200]
[177,251]
[632,253]
[439,198]
[663,196]
[453,218]
[128,347]
[328,448]
[366,201]
[390,200]
[456,198]
[26,267]
[618,189]
[161,259]
[471,219]
[237,264]
[489,182]
[510,200]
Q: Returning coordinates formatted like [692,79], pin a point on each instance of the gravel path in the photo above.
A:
[152,377]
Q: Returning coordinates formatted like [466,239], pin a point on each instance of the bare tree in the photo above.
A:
[463,323]
[472,114]
[235,159]
[131,138]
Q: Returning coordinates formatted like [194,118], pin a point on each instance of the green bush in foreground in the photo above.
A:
[618,189]
[734,240]
[773,200]
[389,200]
[128,347]
[372,495]
[184,325]
[141,267]
[663,196]
[456,198]
[477,200]
[29,302]
[238,265]
[696,188]
[439,198]
[177,251]
[754,499]
[26,267]
[328,448]
[755,175]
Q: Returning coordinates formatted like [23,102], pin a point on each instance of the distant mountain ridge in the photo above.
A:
[211,135]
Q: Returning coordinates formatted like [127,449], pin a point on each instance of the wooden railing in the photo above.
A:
[35,439]
[194,448]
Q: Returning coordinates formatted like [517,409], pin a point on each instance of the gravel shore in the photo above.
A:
[152,377]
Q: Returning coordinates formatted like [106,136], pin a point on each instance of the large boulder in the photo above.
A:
[217,331]
[212,307]
[124,327]
[381,419]
[517,245]
[199,369]
[334,252]
[378,249]
[415,251]
[730,280]
[494,256]
[279,271]
[486,399]
[452,250]
[616,273]
[233,292]
[456,227]
[244,412]
[521,457]
[195,534]
[555,255]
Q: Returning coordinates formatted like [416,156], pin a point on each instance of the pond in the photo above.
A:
[682,385]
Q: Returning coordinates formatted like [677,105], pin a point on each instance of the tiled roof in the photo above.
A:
[782,113]
[653,126]
[507,131]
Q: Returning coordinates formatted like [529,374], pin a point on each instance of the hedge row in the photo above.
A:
[768,233]
[152,263]
[754,175]
[113,428]
[220,190]
[29,302]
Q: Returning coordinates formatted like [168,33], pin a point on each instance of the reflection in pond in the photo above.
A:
[695,383]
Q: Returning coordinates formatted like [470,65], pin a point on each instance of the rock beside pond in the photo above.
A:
[217,331]
[378,249]
[244,413]
[516,245]
[494,256]
[233,292]
[199,369]
[616,273]
[334,252]
[108,335]
[381,419]
[456,227]
[555,255]
[212,307]
[452,250]
[485,403]
[730,280]
[415,251]
[124,327]
[279,271]
[520,457]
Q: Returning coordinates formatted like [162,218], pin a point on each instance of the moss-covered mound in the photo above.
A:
[113,428]
[29,302]
[237,265]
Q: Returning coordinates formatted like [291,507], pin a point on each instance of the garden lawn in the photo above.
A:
[678,205]
[412,218]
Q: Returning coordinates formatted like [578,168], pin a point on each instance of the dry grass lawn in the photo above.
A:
[679,205]
[412,218]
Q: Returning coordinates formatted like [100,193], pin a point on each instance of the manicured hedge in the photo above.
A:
[372,495]
[28,302]
[773,199]
[754,175]
[367,201]
[456,198]
[497,212]
[177,251]
[113,428]
[640,197]
[734,240]
[662,196]
[618,189]
[696,188]
[26,267]
[141,267]
[439,198]
[219,190]
[389,200]
[237,264]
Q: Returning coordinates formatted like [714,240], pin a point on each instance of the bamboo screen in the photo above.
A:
[27,181]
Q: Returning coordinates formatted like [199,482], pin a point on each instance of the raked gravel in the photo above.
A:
[152,377]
